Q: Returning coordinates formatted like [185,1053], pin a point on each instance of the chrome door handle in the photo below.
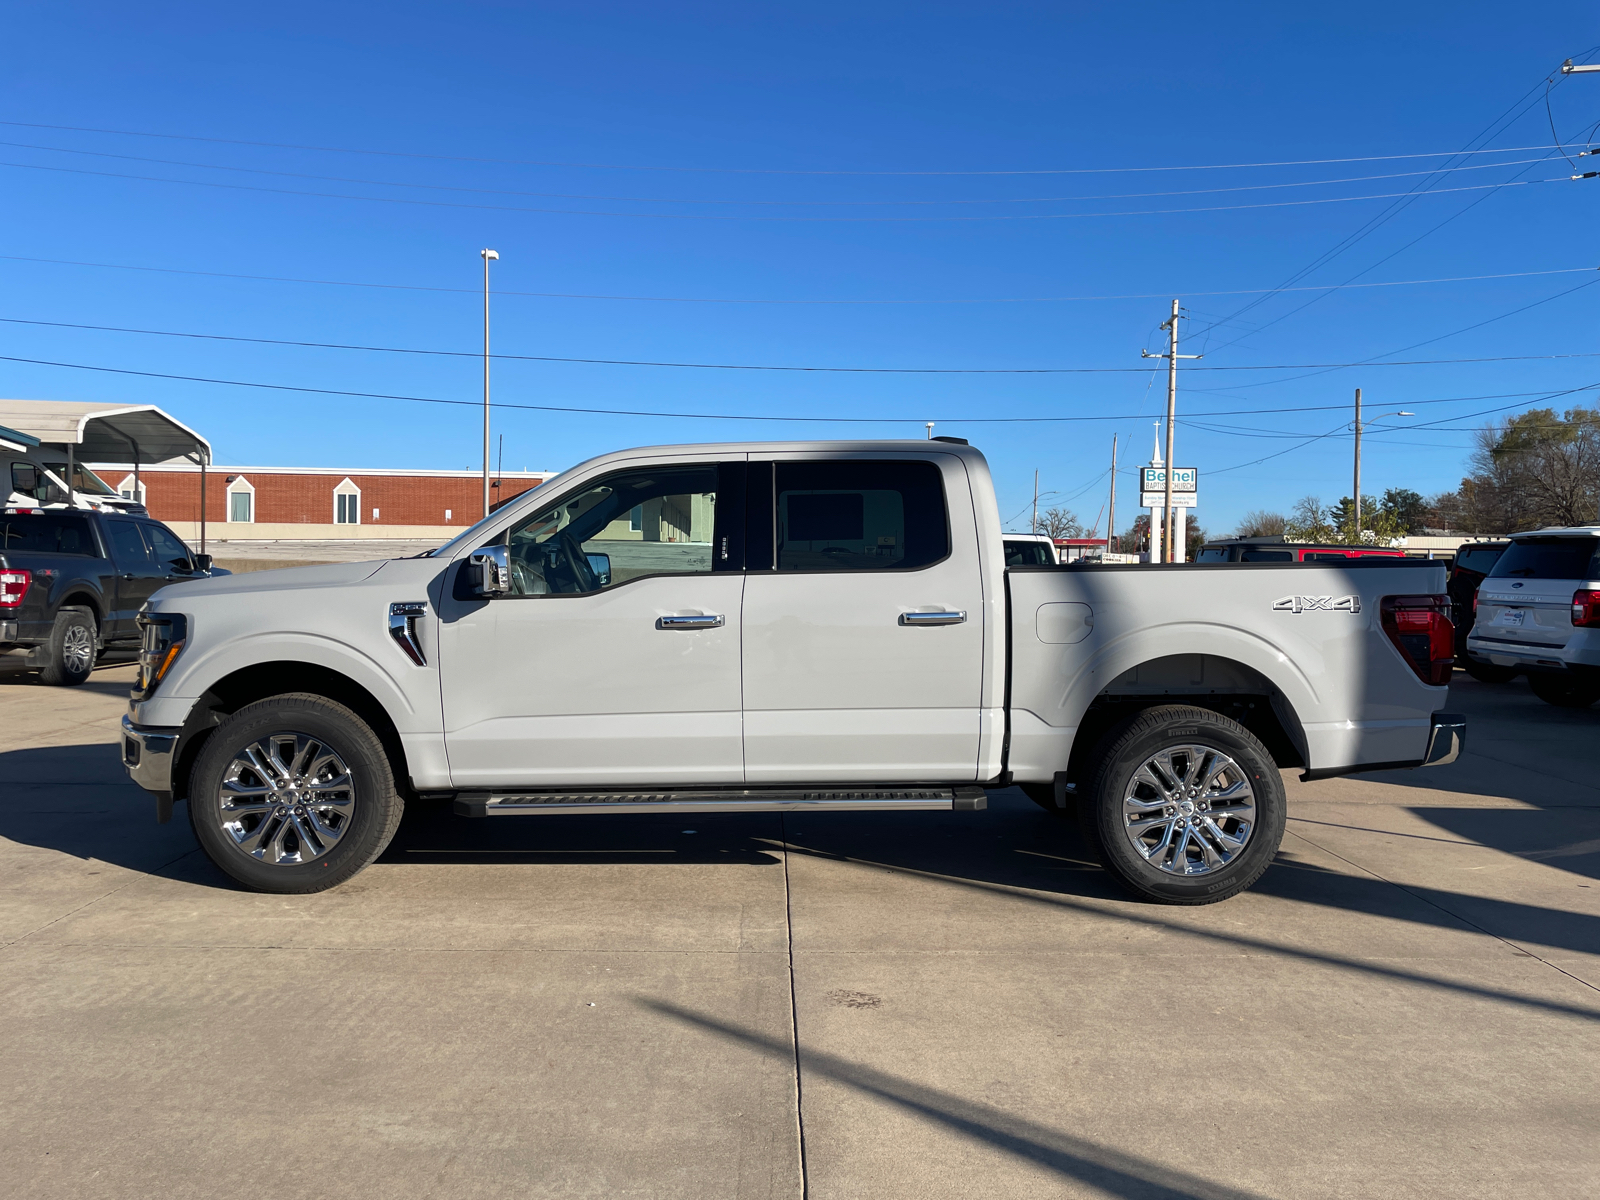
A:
[932,618]
[696,621]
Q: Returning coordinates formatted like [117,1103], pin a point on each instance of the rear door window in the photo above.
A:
[1267,556]
[48,533]
[1325,556]
[859,515]
[1549,558]
[1214,554]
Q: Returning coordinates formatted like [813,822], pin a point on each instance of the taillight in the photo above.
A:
[13,586]
[1586,607]
[1474,602]
[1420,628]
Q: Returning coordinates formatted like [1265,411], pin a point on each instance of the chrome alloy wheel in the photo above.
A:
[286,799]
[77,649]
[1189,810]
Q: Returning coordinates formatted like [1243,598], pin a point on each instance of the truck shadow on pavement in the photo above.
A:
[76,800]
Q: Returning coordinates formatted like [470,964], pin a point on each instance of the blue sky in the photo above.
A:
[900,186]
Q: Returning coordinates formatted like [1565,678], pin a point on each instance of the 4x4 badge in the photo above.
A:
[1298,604]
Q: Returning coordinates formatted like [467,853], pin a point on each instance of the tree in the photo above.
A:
[1193,536]
[1408,509]
[1530,470]
[1378,523]
[1060,523]
[1261,523]
[1309,522]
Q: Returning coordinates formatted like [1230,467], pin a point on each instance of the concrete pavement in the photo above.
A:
[928,1005]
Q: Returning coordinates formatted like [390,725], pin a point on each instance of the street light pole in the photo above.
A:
[488,257]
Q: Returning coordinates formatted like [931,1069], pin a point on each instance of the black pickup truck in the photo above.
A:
[72,583]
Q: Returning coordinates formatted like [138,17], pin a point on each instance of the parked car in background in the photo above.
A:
[1539,612]
[1251,550]
[72,582]
[1472,564]
[1030,550]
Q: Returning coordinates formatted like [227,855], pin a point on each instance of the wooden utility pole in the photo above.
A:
[1172,356]
[1357,492]
[1111,516]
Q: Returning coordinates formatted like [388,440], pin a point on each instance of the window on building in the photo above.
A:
[131,489]
[241,500]
[347,504]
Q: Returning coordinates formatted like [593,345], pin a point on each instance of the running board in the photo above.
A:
[708,800]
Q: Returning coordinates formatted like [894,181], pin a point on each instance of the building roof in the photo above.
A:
[16,439]
[107,433]
[425,472]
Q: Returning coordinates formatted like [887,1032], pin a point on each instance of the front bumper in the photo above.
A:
[149,754]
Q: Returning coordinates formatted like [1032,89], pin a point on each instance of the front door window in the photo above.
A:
[624,527]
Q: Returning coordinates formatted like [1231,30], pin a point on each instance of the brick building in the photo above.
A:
[313,502]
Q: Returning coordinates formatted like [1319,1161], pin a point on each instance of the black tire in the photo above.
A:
[69,655]
[1127,749]
[1487,672]
[1564,691]
[305,865]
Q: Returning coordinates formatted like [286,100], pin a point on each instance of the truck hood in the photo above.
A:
[282,580]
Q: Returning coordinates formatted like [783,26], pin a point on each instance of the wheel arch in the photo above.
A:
[79,597]
[259,681]
[1218,683]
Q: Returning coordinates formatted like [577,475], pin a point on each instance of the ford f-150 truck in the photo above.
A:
[796,626]
[72,581]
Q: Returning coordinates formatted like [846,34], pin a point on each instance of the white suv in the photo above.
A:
[1539,610]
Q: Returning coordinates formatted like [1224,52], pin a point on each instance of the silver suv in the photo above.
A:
[1538,610]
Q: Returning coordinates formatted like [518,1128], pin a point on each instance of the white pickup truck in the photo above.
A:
[790,626]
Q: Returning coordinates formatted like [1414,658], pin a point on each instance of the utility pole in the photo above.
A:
[488,257]
[1567,68]
[1358,465]
[1036,501]
[1111,516]
[1172,356]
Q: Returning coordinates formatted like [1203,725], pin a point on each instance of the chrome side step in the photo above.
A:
[707,800]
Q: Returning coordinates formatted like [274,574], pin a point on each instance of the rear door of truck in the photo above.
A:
[863,620]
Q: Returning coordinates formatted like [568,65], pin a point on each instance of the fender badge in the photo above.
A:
[1299,604]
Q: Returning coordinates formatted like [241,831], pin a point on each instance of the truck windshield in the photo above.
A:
[1549,558]
[83,479]
[1029,554]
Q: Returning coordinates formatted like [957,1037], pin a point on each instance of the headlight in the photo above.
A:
[162,637]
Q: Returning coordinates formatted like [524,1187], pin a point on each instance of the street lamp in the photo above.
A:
[488,257]
[1359,426]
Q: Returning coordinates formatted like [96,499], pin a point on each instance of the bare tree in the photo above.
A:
[1309,522]
[1533,469]
[1261,523]
[1060,523]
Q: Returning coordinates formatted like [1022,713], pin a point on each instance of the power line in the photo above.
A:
[533,162]
[917,420]
[660,216]
[436,187]
[707,366]
[411,287]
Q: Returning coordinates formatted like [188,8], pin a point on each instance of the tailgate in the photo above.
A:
[1536,613]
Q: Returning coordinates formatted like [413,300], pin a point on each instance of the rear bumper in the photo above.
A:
[8,631]
[1447,738]
[1581,650]
[148,754]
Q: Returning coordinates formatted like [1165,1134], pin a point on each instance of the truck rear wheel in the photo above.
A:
[1184,806]
[293,794]
[70,653]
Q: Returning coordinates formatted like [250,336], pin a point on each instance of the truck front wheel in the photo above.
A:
[1184,806]
[293,794]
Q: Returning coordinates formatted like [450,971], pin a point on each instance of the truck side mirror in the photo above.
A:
[489,572]
[202,563]
[600,564]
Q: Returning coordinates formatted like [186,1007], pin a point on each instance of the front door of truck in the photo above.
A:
[615,662]
[139,574]
[863,635]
